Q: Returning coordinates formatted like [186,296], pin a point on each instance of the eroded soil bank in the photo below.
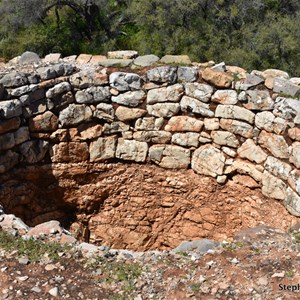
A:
[137,207]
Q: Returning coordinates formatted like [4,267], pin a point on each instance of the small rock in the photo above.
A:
[36,289]
[53,292]
[24,261]
[278,275]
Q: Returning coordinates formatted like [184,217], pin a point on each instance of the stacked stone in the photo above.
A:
[221,121]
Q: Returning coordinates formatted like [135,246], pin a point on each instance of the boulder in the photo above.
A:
[29,58]
[259,100]
[248,82]
[246,168]
[156,137]
[284,86]
[273,187]
[225,97]
[14,79]
[88,78]
[115,63]
[125,81]
[122,54]
[171,93]
[52,58]
[217,78]
[103,148]
[278,168]
[175,59]
[208,160]
[149,124]
[131,99]
[163,110]
[169,156]
[93,95]
[132,150]
[183,124]
[276,144]
[234,112]
[252,152]
[146,60]
[58,89]
[199,91]
[83,58]
[105,112]
[288,109]
[193,105]
[267,121]
[187,74]
[10,109]
[198,246]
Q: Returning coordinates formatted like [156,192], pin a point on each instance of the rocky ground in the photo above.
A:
[260,263]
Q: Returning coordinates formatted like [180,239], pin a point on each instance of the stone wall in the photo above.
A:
[218,120]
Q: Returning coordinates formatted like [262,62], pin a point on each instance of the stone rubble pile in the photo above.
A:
[219,120]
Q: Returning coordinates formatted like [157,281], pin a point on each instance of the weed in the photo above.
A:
[195,287]
[290,273]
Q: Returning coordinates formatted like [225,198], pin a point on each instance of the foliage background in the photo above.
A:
[254,34]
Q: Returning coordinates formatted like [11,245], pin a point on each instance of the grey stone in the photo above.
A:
[193,105]
[29,58]
[117,63]
[171,93]
[208,160]
[122,54]
[125,81]
[115,127]
[14,79]
[58,89]
[21,135]
[52,57]
[237,127]
[7,141]
[199,91]
[189,139]
[225,138]
[157,137]
[250,81]
[267,121]
[146,60]
[131,99]
[75,114]
[187,74]
[278,168]
[20,91]
[198,246]
[93,95]
[46,73]
[132,150]
[259,100]
[104,111]
[103,148]
[170,157]
[286,87]
[34,151]
[8,160]
[292,202]
[219,67]
[10,109]
[162,74]
[235,112]
[175,59]
[88,77]
[273,187]
[149,124]
[295,154]
[164,110]
[35,108]
[288,109]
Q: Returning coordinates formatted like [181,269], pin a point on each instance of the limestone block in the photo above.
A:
[43,123]
[29,57]
[10,124]
[105,112]
[115,63]
[7,141]
[276,144]
[162,74]
[69,152]
[58,89]
[183,124]
[237,127]
[258,100]
[157,137]
[115,127]
[8,160]
[169,156]
[34,151]
[189,139]
[132,150]
[295,154]
[75,114]
[217,78]
[267,121]
[10,109]
[292,202]
[294,180]
[252,152]
[126,114]
[251,80]
[234,112]
[208,160]
[122,54]
[146,60]
[294,133]
[287,109]
[175,59]
[83,58]
[163,110]
[273,187]
[52,58]
[225,138]
[278,168]
[193,105]
[211,124]
[286,87]
[14,79]
[225,97]
[88,78]
[171,93]
[148,123]
[187,74]
[131,99]
[199,91]
[125,81]
[272,73]
[93,95]
[103,148]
